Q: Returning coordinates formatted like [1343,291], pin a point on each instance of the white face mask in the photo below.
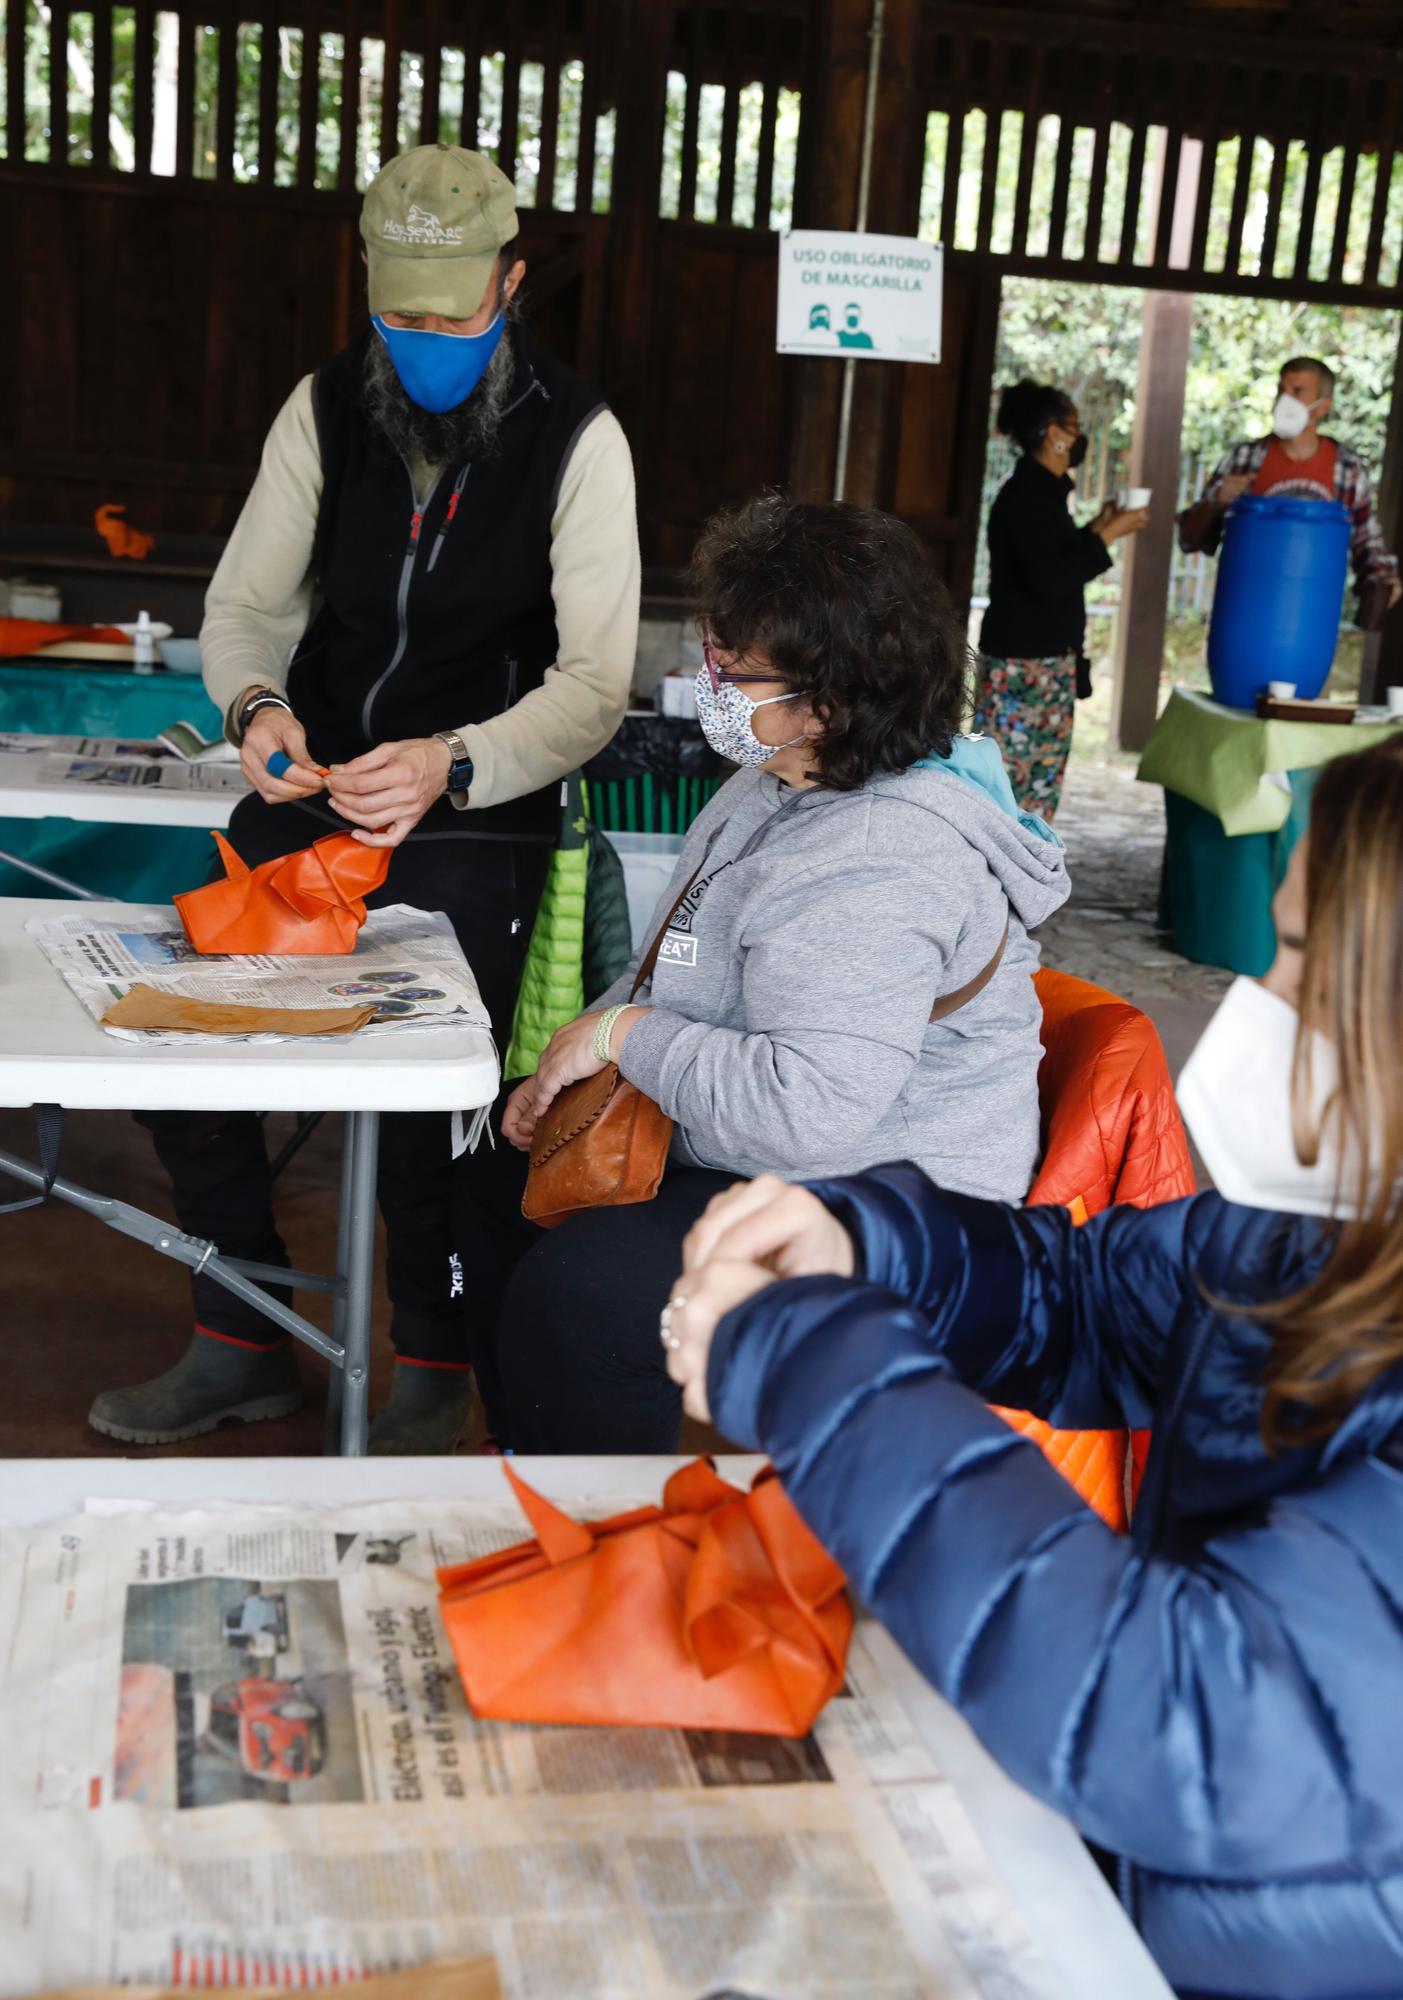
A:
[1235,1094]
[1290,416]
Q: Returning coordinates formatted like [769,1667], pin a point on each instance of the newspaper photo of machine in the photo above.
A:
[231,1692]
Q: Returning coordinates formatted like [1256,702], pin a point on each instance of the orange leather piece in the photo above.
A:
[716,1610]
[312,901]
[22,636]
[1111,1132]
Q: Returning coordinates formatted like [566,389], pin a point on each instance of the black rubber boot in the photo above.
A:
[212,1380]
[427,1415]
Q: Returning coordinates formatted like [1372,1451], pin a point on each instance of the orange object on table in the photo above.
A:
[312,901]
[717,1610]
[21,636]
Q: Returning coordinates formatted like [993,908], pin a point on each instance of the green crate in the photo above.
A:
[646,804]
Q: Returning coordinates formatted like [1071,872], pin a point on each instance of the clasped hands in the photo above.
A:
[747,1238]
[384,794]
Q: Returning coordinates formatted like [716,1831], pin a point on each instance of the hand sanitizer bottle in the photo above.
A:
[143,645]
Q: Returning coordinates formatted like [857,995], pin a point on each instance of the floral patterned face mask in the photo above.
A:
[726,713]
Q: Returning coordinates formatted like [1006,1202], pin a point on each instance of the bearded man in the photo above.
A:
[432,591]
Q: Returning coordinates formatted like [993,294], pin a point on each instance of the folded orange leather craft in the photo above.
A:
[717,1610]
[312,901]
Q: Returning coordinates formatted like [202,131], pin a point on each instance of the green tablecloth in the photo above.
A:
[1236,800]
[1236,766]
[135,864]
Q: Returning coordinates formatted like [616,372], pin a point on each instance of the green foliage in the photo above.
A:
[285,49]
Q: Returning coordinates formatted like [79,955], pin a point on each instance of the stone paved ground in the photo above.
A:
[1108,931]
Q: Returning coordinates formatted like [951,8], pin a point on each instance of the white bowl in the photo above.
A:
[182,656]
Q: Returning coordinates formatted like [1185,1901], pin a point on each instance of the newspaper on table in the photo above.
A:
[407,962]
[130,763]
[237,1753]
[166,775]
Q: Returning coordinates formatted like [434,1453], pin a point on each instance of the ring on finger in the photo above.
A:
[669,1339]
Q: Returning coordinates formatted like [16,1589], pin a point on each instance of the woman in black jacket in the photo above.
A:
[1039,565]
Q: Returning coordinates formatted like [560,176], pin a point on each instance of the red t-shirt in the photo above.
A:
[1312,478]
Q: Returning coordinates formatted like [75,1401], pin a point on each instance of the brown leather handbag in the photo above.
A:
[604,1144]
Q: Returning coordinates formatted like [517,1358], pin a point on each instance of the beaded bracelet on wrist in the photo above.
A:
[603,1032]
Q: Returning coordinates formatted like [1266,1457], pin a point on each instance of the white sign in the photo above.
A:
[875,297]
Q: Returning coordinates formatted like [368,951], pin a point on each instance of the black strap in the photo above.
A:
[49,1119]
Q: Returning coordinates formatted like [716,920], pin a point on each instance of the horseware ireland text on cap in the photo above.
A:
[433,222]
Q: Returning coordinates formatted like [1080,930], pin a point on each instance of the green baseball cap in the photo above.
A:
[432,222]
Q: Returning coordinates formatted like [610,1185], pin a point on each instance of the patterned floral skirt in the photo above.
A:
[1027,707]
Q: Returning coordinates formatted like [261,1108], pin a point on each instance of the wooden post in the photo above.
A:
[638,64]
[1383,651]
[1154,462]
[826,198]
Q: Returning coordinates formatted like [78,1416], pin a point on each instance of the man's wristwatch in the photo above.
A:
[262,697]
[460,769]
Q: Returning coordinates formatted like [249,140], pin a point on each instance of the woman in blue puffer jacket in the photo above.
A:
[1217,1698]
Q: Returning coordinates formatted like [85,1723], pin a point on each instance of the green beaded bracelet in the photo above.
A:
[604,1028]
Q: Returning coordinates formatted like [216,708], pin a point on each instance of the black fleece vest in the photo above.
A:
[432,618]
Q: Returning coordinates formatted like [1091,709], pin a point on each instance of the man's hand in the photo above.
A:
[690,1319]
[1232,488]
[570,1057]
[388,790]
[1395,591]
[519,1116]
[767,1221]
[278,729]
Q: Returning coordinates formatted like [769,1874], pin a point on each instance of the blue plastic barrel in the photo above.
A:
[1276,609]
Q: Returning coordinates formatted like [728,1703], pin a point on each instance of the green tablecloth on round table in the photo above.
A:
[1236,800]
[134,864]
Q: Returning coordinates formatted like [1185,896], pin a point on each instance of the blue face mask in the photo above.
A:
[438,371]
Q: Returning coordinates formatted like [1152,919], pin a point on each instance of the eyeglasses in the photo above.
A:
[716,673]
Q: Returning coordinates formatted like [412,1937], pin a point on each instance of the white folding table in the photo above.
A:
[1068,1907]
[51,1052]
[23,795]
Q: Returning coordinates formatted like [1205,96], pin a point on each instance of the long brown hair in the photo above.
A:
[1333,1337]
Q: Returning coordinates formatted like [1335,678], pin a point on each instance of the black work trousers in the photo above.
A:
[579,1365]
[218,1162]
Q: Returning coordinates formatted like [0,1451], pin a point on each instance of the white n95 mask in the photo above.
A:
[1235,1094]
[1290,416]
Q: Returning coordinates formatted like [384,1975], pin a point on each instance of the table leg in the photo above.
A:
[356,1236]
[331,1428]
[47,875]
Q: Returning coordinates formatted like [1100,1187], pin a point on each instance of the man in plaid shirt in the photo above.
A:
[1311,467]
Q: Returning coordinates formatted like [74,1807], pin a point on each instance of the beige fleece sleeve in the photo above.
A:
[595,580]
[260,598]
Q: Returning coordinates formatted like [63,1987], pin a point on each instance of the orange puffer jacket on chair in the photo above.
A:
[1111,1132]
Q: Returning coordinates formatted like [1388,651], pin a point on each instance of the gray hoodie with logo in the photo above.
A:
[788,1028]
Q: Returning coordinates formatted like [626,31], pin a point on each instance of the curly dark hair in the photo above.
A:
[1027,408]
[845,605]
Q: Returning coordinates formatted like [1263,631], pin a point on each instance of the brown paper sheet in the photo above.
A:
[146,1007]
[455,1979]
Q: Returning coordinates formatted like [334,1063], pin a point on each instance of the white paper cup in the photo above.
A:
[1394,697]
[1282,690]
[1132,497]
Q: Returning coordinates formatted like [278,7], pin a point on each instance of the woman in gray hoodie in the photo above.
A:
[848,977]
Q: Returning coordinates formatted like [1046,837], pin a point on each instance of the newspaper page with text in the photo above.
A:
[237,1753]
[407,963]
